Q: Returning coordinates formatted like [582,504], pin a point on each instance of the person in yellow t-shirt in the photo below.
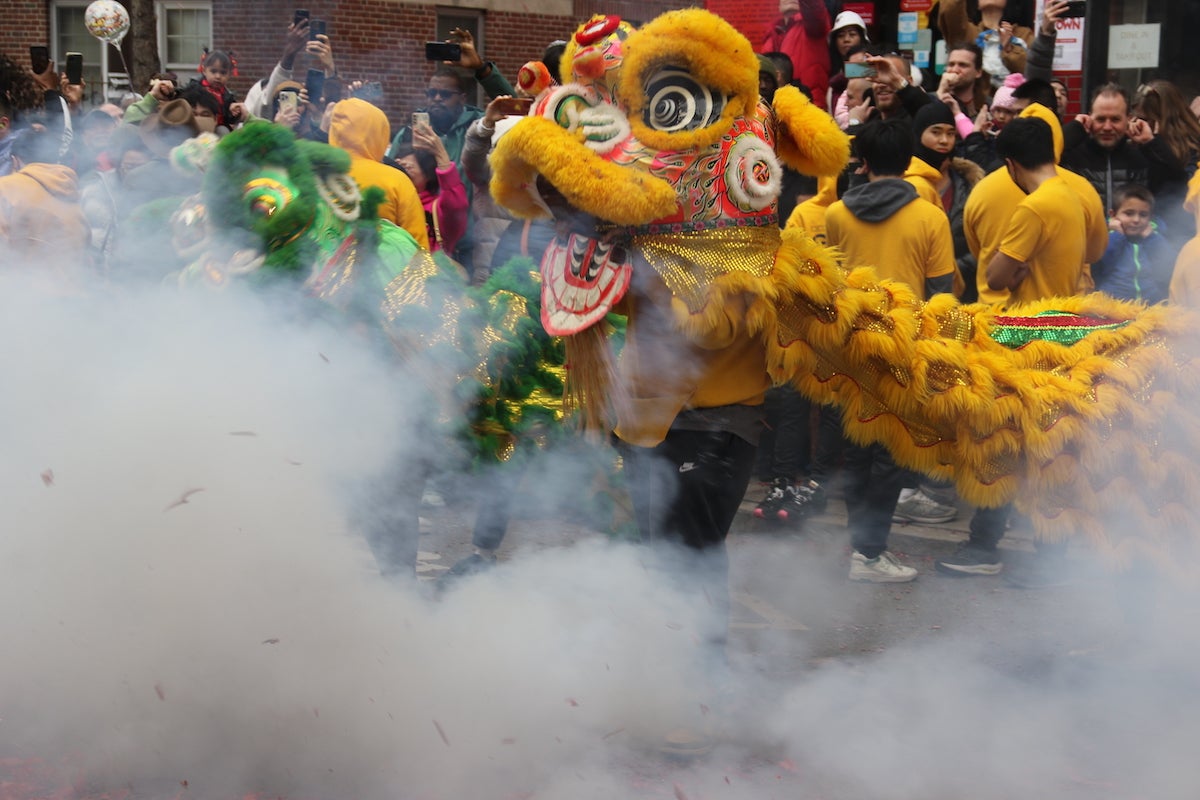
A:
[878,224]
[1042,253]
[992,201]
[884,224]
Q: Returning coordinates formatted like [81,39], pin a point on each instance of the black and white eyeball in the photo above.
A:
[676,101]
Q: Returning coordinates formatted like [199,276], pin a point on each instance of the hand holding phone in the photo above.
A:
[420,118]
[1075,9]
[289,101]
[316,28]
[300,15]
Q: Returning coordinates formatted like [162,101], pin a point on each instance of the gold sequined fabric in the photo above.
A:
[689,263]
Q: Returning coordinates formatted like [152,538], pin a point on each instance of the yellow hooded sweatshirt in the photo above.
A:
[925,178]
[41,224]
[362,130]
[1185,283]
[993,200]
[809,216]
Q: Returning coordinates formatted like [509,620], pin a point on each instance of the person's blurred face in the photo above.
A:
[1134,216]
[1060,94]
[415,173]
[939,138]
[962,64]
[445,101]
[97,134]
[856,90]
[205,118]
[847,38]
[1110,120]
[216,73]
[885,99]
[131,160]
[766,86]
[1001,117]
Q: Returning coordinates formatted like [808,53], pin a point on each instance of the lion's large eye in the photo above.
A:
[678,102]
[266,196]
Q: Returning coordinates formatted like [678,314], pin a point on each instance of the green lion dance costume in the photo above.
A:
[277,210]
[1082,410]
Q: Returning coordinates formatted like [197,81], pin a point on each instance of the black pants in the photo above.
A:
[685,494]
[783,451]
[873,483]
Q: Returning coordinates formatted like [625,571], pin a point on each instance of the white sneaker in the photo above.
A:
[883,569]
[923,510]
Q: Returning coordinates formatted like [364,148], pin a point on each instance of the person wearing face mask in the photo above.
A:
[945,181]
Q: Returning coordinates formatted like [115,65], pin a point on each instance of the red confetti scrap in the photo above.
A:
[788,764]
[317,713]
[611,734]
[728,781]
[158,690]
[679,793]
[441,733]
[270,641]
[509,740]
[48,477]
[703,708]
[572,702]
[184,784]
[935,627]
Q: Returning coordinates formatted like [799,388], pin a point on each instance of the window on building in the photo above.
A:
[448,20]
[184,30]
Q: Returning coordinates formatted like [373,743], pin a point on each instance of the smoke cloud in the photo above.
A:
[188,599]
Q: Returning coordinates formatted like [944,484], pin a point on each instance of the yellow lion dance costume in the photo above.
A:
[1082,411]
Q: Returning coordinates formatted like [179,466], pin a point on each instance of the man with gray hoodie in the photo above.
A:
[884,224]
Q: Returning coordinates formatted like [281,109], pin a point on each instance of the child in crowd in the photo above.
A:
[216,69]
[1138,262]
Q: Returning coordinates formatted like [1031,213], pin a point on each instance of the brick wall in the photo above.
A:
[26,23]
[751,17]
[384,40]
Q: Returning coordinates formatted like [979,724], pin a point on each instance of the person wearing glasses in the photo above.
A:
[450,115]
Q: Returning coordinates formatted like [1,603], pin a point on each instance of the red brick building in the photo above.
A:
[379,40]
[383,39]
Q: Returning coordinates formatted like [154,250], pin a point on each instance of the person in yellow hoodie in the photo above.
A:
[993,200]
[42,226]
[362,130]
[1185,282]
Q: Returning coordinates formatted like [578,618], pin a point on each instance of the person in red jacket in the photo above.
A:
[801,31]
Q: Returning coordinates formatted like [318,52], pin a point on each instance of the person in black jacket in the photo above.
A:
[1111,148]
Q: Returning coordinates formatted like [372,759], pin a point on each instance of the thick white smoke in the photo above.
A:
[243,641]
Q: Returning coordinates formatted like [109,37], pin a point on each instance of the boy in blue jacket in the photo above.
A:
[1138,262]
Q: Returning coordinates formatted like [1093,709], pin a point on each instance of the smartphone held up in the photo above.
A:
[39,58]
[75,69]
[443,51]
